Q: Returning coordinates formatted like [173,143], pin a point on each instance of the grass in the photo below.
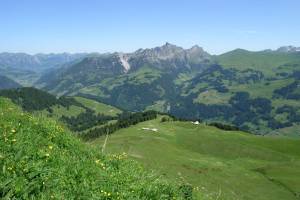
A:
[40,160]
[98,107]
[59,111]
[220,164]
[293,132]
[260,89]
[211,97]
[159,106]
[267,62]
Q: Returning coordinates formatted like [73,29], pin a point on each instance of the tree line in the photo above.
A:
[32,99]
[124,120]
[86,120]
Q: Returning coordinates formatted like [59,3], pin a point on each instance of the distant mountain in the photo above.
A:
[169,56]
[167,59]
[37,62]
[26,69]
[287,49]
[7,83]
[256,91]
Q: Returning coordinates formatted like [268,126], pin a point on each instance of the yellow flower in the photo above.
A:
[47,154]
[108,194]
[97,161]
[50,147]
[13,130]
[14,140]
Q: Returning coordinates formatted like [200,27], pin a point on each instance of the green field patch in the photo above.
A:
[216,162]
[99,108]
[261,89]
[210,97]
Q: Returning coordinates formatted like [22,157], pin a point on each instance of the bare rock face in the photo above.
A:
[92,69]
[169,56]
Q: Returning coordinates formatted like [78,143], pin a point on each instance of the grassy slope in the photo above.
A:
[224,165]
[142,76]
[98,107]
[269,63]
[266,62]
[39,160]
[74,111]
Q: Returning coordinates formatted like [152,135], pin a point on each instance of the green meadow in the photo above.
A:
[219,164]
[40,160]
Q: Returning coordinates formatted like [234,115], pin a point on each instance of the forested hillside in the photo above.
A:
[77,113]
[7,83]
[261,88]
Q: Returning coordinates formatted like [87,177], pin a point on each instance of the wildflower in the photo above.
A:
[13,130]
[97,161]
[14,140]
[9,168]
[47,154]
[108,194]
[50,147]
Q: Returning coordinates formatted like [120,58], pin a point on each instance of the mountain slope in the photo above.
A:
[70,111]
[37,62]
[7,83]
[268,62]
[94,69]
[221,164]
[27,69]
[256,91]
[39,160]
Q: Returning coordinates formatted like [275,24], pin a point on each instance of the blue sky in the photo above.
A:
[35,26]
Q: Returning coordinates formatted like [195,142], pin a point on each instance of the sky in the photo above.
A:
[44,26]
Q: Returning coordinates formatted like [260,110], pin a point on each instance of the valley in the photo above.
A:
[149,100]
[246,145]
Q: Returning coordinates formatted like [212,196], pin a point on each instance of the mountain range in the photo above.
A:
[256,91]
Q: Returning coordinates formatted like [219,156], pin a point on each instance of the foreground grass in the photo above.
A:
[40,160]
[220,164]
